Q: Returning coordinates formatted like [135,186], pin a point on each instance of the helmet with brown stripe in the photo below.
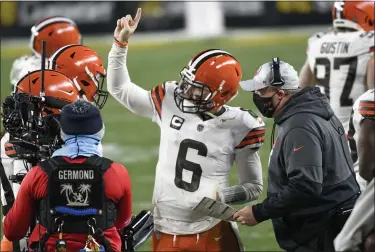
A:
[85,67]
[56,31]
[354,15]
[59,90]
[210,80]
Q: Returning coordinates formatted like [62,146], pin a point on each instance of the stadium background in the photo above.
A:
[166,39]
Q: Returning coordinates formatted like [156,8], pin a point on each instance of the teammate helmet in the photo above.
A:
[210,80]
[353,15]
[56,31]
[59,90]
[85,67]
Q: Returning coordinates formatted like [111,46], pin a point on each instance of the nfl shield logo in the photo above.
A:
[200,127]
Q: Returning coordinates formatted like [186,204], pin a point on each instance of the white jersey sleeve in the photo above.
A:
[119,85]
[22,66]
[249,136]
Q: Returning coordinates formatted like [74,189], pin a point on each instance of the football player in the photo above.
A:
[360,224]
[85,68]
[57,86]
[341,61]
[200,139]
[57,32]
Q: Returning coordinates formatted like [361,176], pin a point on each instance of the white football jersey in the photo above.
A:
[23,65]
[195,157]
[363,107]
[339,62]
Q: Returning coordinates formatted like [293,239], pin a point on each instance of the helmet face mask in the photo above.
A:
[99,96]
[192,96]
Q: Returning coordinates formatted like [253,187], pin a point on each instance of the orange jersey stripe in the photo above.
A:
[156,102]
[366,105]
[254,136]
[161,92]
[10,153]
[251,141]
[157,95]
[367,112]
[257,132]
[9,145]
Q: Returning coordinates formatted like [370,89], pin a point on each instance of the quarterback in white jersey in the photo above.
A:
[200,140]
[341,61]
[361,221]
[57,32]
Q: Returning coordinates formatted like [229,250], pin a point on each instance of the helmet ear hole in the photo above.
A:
[85,83]
[224,93]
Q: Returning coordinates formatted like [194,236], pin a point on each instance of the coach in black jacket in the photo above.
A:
[311,184]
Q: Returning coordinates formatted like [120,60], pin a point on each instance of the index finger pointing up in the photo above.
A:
[138,16]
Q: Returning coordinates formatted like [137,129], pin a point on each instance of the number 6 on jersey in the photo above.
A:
[195,168]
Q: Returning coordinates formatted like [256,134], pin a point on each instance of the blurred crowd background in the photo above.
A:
[97,17]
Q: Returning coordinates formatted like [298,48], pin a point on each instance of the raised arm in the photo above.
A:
[119,85]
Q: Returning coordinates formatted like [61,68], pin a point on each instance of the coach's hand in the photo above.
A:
[126,26]
[246,216]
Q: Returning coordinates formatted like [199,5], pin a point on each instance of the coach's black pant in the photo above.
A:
[324,240]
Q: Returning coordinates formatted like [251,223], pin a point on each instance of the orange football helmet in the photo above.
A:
[56,31]
[354,15]
[59,90]
[210,80]
[85,67]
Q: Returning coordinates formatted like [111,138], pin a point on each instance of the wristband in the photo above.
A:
[120,44]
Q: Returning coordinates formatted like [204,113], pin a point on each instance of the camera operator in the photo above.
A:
[80,198]
[17,157]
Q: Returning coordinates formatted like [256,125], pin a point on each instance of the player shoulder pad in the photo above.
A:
[316,37]
[366,41]
[366,105]
[251,119]
[169,85]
